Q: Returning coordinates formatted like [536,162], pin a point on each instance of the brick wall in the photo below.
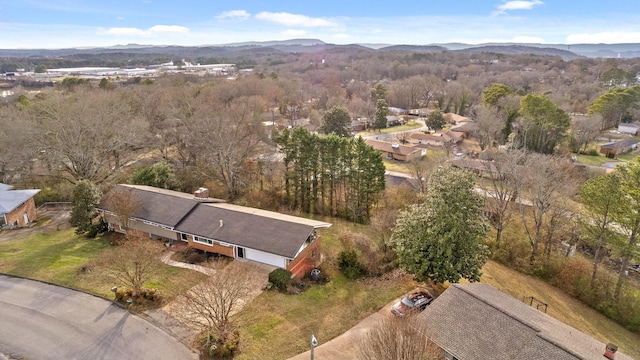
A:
[306,260]
[29,207]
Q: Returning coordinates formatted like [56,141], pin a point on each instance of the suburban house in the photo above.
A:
[17,207]
[358,125]
[629,128]
[477,321]
[483,168]
[613,149]
[397,151]
[453,118]
[441,139]
[212,225]
[394,120]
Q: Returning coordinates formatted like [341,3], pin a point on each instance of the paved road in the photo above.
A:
[40,322]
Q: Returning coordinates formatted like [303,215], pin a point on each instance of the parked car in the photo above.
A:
[415,302]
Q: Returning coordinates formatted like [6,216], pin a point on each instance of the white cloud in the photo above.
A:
[168,29]
[288,19]
[123,31]
[152,31]
[243,14]
[610,37]
[517,5]
[292,32]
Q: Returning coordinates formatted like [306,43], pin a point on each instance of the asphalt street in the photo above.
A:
[39,321]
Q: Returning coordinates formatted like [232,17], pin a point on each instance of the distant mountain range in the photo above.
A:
[314,45]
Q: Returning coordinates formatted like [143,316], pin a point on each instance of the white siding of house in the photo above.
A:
[265,258]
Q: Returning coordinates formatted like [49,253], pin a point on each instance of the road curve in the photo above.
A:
[41,321]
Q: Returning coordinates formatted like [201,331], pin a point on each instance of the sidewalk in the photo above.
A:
[345,346]
[166,258]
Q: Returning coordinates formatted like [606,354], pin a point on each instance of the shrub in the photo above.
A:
[349,264]
[280,278]
[98,228]
[194,257]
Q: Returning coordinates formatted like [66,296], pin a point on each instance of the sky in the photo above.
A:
[54,24]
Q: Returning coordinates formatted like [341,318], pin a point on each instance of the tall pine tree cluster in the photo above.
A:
[331,175]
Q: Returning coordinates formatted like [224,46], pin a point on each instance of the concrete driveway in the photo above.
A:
[42,321]
[345,346]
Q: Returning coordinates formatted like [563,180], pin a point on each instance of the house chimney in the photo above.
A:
[201,193]
[610,351]
[221,223]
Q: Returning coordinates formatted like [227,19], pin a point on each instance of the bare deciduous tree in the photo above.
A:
[544,181]
[211,304]
[395,338]
[124,204]
[134,263]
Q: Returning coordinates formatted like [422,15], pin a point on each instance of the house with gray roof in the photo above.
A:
[17,207]
[613,149]
[212,225]
[395,151]
[477,321]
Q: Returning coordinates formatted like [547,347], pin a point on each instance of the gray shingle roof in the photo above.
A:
[243,226]
[11,199]
[161,206]
[244,229]
[477,321]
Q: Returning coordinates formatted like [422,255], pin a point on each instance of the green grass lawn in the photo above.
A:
[408,126]
[278,326]
[58,256]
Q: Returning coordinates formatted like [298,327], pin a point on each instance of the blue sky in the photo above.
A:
[82,23]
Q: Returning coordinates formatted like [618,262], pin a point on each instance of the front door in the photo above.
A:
[240,252]
[26,219]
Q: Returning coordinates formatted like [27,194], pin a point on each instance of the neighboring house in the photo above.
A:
[483,168]
[397,111]
[629,128]
[358,125]
[467,128]
[477,321]
[442,139]
[397,151]
[17,207]
[393,120]
[211,225]
[421,112]
[453,118]
[613,149]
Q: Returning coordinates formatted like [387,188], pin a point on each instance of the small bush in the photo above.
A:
[98,228]
[591,152]
[350,266]
[194,257]
[280,278]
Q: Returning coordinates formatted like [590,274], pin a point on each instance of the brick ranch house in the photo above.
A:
[478,321]
[396,151]
[17,207]
[214,226]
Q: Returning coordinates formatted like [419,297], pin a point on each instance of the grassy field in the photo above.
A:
[58,256]
[562,307]
[408,126]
